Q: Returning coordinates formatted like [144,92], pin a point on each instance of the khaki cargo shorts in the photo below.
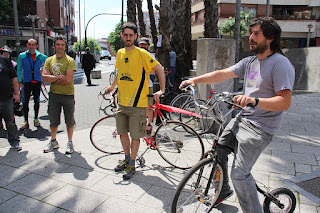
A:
[131,119]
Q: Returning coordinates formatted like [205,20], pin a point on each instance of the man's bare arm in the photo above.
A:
[66,79]
[47,77]
[162,80]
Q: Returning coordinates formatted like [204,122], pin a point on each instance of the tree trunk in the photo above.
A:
[178,39]
[142,26]
[211,17]
[188,38]
[164,25]
[131,11]
[152,23]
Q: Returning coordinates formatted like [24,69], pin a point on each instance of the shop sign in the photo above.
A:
[9,32]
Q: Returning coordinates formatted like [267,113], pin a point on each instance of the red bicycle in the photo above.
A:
[177,143]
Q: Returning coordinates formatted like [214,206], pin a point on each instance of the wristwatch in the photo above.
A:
[257,101]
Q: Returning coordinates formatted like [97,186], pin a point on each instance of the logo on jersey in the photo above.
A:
[151,60]
[126,60]
[55,70]
[126,77]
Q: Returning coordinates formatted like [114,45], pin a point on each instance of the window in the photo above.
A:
[248,9]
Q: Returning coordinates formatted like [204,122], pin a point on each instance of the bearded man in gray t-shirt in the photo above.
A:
[268,84]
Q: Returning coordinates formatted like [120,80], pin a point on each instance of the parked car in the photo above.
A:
[105,54]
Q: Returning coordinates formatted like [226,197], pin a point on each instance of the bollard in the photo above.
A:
[95,74]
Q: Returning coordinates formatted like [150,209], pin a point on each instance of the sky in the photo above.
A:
[103,25]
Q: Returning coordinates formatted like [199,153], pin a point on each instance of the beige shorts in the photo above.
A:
[131,119]
[150,99]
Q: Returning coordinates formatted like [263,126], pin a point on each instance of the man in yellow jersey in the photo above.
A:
[59,70]
[134,66]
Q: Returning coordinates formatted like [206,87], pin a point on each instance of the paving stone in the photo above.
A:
[308,208]
[118,205]
[303,168]
[35,186]
[82,177]
[26,204]
[279,146]
[10,174]
[287,157]
[44,166]
[81,160]
[16,159]
[76,199]
[130,190]
[6,195]
[306,149]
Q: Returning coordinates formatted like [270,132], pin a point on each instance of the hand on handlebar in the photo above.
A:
[186,83]
[243,100]
[157,95]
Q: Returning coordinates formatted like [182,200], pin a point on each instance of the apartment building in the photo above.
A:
[51,18]
[298,19]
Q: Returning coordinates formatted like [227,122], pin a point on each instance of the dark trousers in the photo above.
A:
[88,72]
[28,89]
[6,112]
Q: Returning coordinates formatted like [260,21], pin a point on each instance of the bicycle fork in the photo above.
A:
[271,197]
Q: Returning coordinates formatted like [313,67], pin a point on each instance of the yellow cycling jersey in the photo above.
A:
[134,68]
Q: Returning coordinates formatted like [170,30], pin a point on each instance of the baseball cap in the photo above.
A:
[5,48]
[144,40]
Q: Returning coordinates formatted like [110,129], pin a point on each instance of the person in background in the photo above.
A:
[88,63]
[144,44]
[59,70]
[30,80]
[9,80]
[172,68]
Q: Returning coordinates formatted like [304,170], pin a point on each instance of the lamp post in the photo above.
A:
[16,26]
[33,19]
[309,32]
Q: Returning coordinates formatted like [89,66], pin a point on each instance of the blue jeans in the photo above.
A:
[6,112]
[247,141]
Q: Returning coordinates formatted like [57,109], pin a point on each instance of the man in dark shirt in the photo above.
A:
[88,64]
[9,80]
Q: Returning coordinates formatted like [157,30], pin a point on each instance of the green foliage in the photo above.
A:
[115,39]
[93,44]
[6,10]
[227,27]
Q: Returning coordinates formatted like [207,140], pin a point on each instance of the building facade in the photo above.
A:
[43,20]
[298,19]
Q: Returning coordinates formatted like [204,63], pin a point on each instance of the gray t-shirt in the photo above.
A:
[263,79]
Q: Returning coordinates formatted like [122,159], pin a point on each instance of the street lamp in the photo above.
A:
[309,31]
[33,19]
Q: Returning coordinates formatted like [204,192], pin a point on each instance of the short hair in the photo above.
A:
[270,29]
[59,38]
[87,49]
[32,39]
[131,26]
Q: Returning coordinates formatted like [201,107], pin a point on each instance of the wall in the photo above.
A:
[307,65]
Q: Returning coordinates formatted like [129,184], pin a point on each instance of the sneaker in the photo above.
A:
[149,129]
[70,148]
[121,167]
[16,148]
[130,170]
[24,125]
[221,198]
[51,146]
[36,123]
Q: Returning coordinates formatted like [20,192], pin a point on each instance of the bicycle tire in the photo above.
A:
[103,136]
[190,194]
[112,76]
[178,147]
[285,196]
[44,92]
[201,125]
[179,101]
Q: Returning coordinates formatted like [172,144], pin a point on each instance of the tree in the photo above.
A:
[6,10]
[115,39]
[142,25]
[211,18]
[154,31]
[227,27]
[93,44]
[131,11]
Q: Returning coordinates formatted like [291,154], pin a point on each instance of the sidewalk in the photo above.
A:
[32,181]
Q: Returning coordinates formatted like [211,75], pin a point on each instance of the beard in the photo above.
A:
[128,44]
[260,48]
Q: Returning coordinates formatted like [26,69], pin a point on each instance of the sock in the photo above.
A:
[132,163]
[127,157]
[55,140]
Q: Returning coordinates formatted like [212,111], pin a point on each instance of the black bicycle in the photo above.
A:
[199,190]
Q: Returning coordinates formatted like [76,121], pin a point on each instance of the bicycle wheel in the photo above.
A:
[200,125]
[44,92]
[179,101]
[196,193]
[103,136]
[112,76]
[178,147]
[285,196]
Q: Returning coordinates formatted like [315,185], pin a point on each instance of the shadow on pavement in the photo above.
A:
[40,133]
